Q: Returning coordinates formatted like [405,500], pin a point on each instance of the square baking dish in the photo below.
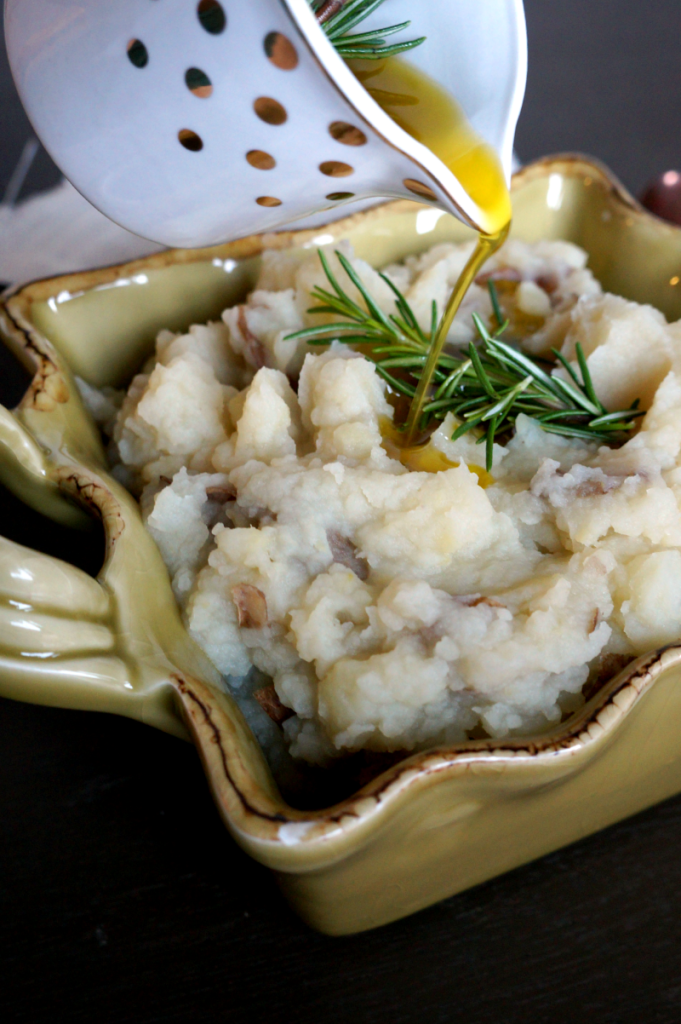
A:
[437,822]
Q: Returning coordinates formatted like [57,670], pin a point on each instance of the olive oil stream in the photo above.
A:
[432,117]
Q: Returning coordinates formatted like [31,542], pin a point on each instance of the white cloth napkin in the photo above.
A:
[58,231]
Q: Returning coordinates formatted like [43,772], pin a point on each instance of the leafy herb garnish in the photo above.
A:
[486,387]
[339,17]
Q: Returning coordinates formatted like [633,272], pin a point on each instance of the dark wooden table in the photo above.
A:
[122,898]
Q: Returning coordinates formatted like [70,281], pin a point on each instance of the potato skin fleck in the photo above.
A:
[251,606]
[269,701]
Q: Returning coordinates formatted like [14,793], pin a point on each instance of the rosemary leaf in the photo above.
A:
[485,388]
[494,296]
[480,371]
[566,366]
[377,36]
[612,419]
[372,306]
[489,446]
[370,45]
[586,377]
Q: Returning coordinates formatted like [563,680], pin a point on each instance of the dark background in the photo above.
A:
[122,898]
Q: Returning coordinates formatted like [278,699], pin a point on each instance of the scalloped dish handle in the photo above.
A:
[55,629]
[60,641]
[24,471]
[54,619]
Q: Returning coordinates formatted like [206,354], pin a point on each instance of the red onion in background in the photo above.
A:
[663,197]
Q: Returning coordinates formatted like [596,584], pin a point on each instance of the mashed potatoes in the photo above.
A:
[393,609]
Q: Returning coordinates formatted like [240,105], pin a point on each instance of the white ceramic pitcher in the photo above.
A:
[191,122]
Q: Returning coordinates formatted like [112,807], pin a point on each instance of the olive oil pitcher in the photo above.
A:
[190,122]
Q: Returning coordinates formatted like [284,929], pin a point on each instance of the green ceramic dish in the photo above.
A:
[437,822]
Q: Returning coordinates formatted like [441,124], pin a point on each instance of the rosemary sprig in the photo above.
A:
[339,17]
[485,388]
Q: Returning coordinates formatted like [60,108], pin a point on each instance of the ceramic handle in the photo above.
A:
[114,644]
[24,471]
[57,644]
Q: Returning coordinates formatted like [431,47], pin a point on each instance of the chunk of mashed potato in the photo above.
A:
[396,609]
